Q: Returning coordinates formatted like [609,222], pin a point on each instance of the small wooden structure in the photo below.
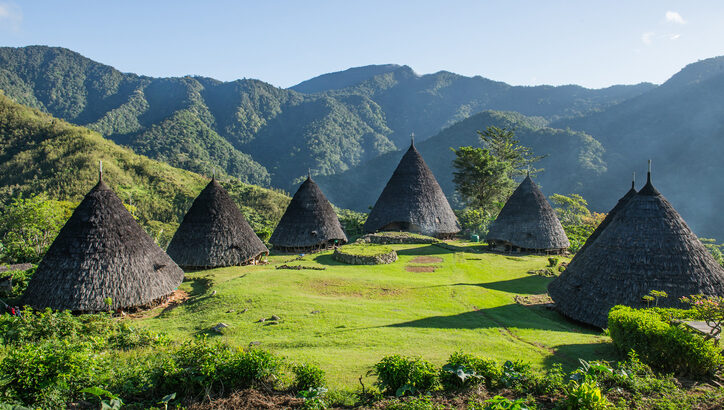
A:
[102,259]
[646,246]
[309,224]
[527,223]
[214,233]
[413,201]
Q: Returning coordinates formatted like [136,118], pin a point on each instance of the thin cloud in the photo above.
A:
[674,36]
[674,17]
[647,38]
[10,16]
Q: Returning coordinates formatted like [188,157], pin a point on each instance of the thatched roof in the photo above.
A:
[413,201]
[214,233]
[647,246]
[527,221]
[100,253]
[609,217]
[309,221]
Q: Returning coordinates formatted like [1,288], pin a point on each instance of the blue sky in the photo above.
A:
[592,43]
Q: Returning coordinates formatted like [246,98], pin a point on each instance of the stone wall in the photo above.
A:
[380,259]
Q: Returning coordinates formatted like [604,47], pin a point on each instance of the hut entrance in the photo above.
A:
[322,246]
[401,226]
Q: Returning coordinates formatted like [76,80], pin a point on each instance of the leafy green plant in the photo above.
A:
[308,376]
[112,401]
[399,375]
[167,399]
[465,370]
[313,398]
[552,262]
[586,395]
[503,403]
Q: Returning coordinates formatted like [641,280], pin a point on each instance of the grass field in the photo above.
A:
[346,318]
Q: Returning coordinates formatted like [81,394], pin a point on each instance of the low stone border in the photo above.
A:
[351,259]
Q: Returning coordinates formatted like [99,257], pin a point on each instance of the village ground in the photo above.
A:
[345,318]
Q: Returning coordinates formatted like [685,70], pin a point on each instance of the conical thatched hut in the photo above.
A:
[309,224]
[609,217]
[102,253]
[413,201]
[527,223]
[647,246]
[214,233]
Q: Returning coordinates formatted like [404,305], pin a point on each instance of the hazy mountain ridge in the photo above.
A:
[680,126]
[572,159]
[263,134]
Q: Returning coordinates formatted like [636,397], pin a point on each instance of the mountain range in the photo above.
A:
[350,127]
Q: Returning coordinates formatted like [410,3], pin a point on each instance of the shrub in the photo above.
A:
[308,376]
[199,366]
[51,373]
[661,345]
[552,262]
[398,375]
[465,370]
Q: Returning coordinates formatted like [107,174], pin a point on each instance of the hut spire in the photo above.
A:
[309,173]
[648,176]
[100,170]
[633,180]
[213,174]
[412,139]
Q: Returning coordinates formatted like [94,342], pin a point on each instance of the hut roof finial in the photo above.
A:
[648,176]
[100,170]
[213,174]
[412,139]
[309,173]
[633,180]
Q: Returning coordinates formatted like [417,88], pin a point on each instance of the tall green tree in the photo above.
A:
[506,148]
[484,177]
[482,180]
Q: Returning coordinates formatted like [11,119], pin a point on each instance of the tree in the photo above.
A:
[482,180]
[506,148]
[484,176]
[29,225]
[571,210]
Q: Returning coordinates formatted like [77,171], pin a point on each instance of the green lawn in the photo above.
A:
[362,313]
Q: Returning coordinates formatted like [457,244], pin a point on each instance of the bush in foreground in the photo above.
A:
[662,345]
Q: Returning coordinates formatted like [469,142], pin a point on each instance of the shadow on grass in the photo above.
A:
[527,285]
[199,286]
[530,284]
[328,260]
[507,316]
[569,355]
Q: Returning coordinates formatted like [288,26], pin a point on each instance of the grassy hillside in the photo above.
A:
[265,135]
[39,153]
[345,318]
[573,159]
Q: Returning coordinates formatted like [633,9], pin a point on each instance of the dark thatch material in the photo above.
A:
[100,253]
[528,223]
[214,233]
[413,201]
[609,217]
[309,224]
[647,246]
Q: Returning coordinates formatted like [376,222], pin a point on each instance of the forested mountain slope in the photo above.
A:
[265,135]
[680,126]
[39,153]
